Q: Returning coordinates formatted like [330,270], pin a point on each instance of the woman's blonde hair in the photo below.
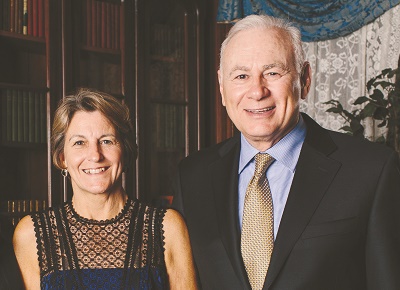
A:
[89,100]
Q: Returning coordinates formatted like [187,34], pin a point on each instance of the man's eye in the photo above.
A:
[272,75]
[241,77]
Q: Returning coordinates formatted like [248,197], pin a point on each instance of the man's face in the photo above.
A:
[260,86]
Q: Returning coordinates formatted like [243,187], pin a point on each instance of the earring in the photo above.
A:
[64,172]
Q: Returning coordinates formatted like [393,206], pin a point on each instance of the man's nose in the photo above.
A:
[259,89]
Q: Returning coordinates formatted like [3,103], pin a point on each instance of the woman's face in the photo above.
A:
[93,154]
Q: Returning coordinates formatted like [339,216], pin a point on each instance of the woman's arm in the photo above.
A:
[24,241]
[178,252]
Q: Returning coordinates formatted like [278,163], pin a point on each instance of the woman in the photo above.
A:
[101,239]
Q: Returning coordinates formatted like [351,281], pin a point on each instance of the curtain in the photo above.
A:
[342,66]
[318,19]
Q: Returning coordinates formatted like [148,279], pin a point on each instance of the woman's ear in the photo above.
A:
[305,79]
[63,161]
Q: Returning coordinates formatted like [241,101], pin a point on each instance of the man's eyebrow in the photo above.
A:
[276,64]
[238,67]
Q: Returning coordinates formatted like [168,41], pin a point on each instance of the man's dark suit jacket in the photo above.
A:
[340,228]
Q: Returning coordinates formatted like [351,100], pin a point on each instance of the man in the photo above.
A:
[335,198]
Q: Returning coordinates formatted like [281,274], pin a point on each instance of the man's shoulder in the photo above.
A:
[209,154]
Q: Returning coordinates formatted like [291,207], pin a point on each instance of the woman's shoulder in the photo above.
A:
[174,223]
[24,228]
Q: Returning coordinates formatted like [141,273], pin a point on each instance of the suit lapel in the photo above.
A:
[225,184]
[314,173]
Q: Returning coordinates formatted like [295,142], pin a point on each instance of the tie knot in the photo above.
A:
[263,161]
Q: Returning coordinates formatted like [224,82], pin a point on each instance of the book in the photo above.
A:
[94,24]
[3,115]
[43,131]
[88,15]
[25,109]
[41,18]
[14,114]
[25,17]
[12,23]
[20,129]
[103,23]
[37,117]
[30,17]
[9,114]
[35,18]
[31,117]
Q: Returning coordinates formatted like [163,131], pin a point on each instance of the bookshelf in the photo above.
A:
[145,52]
[24,103]
[169,93]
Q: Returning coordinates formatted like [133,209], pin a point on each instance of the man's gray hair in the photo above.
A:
[265,21]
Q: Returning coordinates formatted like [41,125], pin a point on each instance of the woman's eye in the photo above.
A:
[106,142]
[79,143]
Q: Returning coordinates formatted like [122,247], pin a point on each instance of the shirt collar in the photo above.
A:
[286,151]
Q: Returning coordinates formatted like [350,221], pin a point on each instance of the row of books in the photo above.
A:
[17,209]
[169,126]
[23,16]
[168,80]
[23,116]
[167,41]
[102,19]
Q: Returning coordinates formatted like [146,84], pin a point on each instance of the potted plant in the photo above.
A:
[382,105]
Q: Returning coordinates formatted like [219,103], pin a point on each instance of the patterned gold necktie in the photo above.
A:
[257,241]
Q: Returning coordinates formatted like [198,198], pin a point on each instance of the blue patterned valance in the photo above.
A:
[317,19]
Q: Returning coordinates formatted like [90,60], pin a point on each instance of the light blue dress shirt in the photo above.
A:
[280,173]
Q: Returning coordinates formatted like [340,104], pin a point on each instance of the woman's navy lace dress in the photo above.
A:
[126,252]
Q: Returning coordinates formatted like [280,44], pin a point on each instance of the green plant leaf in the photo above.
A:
[361,100]
[334,110]
[369,110]
[381,113]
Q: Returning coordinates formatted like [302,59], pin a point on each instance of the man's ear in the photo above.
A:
[221,89]
[305,80]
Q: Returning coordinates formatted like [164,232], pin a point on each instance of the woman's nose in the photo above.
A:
[94,153]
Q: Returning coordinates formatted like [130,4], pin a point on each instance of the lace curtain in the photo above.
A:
[342,66]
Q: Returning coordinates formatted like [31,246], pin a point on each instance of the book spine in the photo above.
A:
[25,102]
[12,23]
[109,25]
[25,17]
[118,26]
[35,18]
[31,117]
[88,16]
[9,114]
[40,18]
[103,24]
[30,17]
[20,126]
[94,14]
[37,117]
[98,23]
[3,115]
[43,131]
[14,113]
